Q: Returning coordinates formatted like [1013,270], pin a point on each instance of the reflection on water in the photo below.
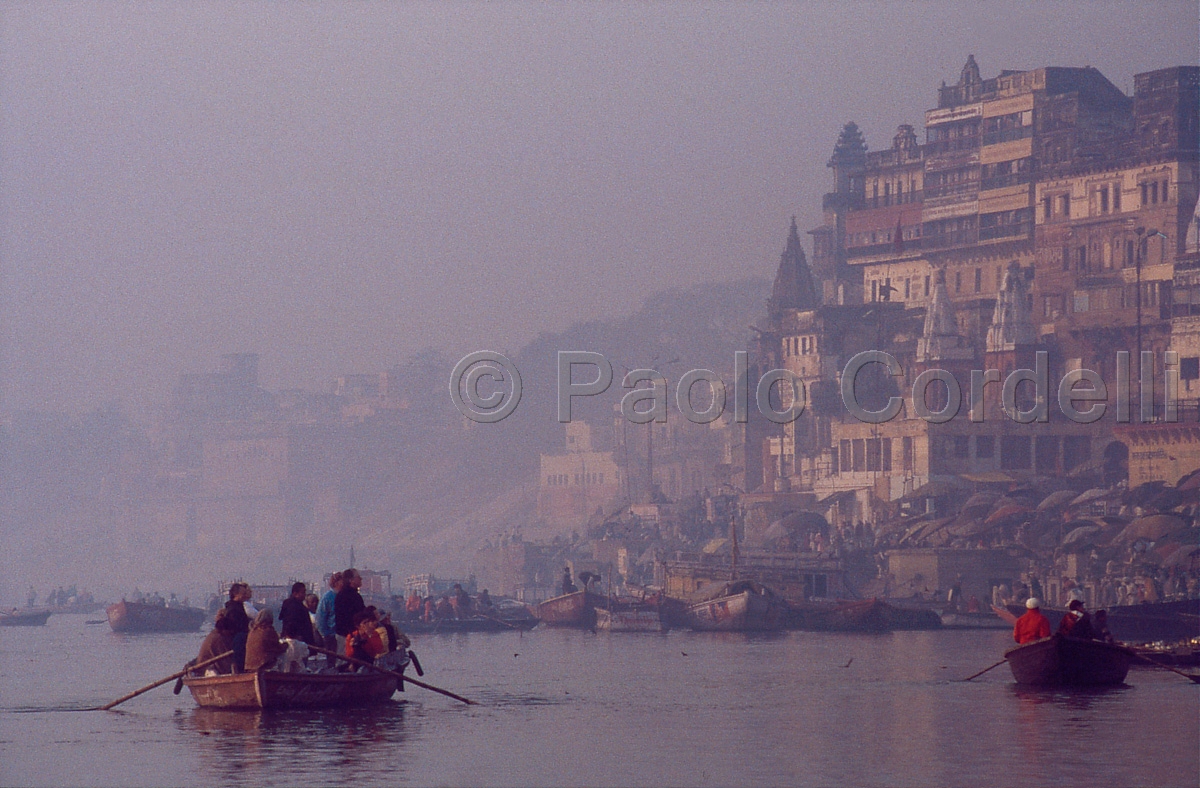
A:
[250,746]
[1077,698]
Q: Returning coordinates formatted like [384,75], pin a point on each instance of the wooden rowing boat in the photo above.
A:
[1059,661]
[24,618]
[576,609]
[737,606]
[268,689]
[136,617]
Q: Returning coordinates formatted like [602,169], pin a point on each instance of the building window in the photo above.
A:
[1189,368]
[1145,193]
[962,447]
[873,454]
[1116,197]
[985,447]
[1015,453]
[1045,453]
[906,451]
[1066,206]
[1046,203]
[958,281]
[1103,199]
[978,280]
[1154,192]
[887,454]
[1164,191]
[846,463]
[907,292]
[860,454]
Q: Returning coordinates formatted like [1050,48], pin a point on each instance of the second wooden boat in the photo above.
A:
[737,606]
[1059,661]
[136,617]
[577,609]
[24,618]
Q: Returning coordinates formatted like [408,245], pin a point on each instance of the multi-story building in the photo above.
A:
[1045,211]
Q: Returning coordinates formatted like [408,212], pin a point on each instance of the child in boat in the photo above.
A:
[365,642]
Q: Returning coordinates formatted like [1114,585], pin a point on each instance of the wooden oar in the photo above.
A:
[985,670]
[1147,660]
[160,682]
[400,676]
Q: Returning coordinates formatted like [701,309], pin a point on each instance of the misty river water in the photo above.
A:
[558,707]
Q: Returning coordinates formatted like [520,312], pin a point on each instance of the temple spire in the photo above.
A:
[941,340]
[794,287]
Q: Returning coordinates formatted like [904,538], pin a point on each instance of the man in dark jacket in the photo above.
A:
[238,623]
[293,616]
[348,604]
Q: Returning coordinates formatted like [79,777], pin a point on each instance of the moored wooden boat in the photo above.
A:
[136,617]
[640,619]
[1059,661]
[469,624]
[269,689]
[737,606]
[862,615]
[577,609]
[24,618]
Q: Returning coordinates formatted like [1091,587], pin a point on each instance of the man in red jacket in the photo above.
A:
[1033,625]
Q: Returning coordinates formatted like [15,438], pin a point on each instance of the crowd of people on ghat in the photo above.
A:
[340,622]
[1075,623]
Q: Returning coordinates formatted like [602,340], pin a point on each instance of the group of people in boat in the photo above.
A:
[1076,623]
[60,597]
[457,604]
[340,621]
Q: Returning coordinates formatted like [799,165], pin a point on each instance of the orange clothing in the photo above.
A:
[365,648]
[1031,626]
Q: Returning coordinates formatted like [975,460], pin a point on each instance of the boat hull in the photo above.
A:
[268,689]
[644,620]
[577,609]
[134,617]
[742,612]
[1059,661]
[25,619]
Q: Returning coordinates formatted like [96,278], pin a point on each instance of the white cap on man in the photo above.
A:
[1032,603]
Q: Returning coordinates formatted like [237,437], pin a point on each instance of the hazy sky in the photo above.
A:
[338,185]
